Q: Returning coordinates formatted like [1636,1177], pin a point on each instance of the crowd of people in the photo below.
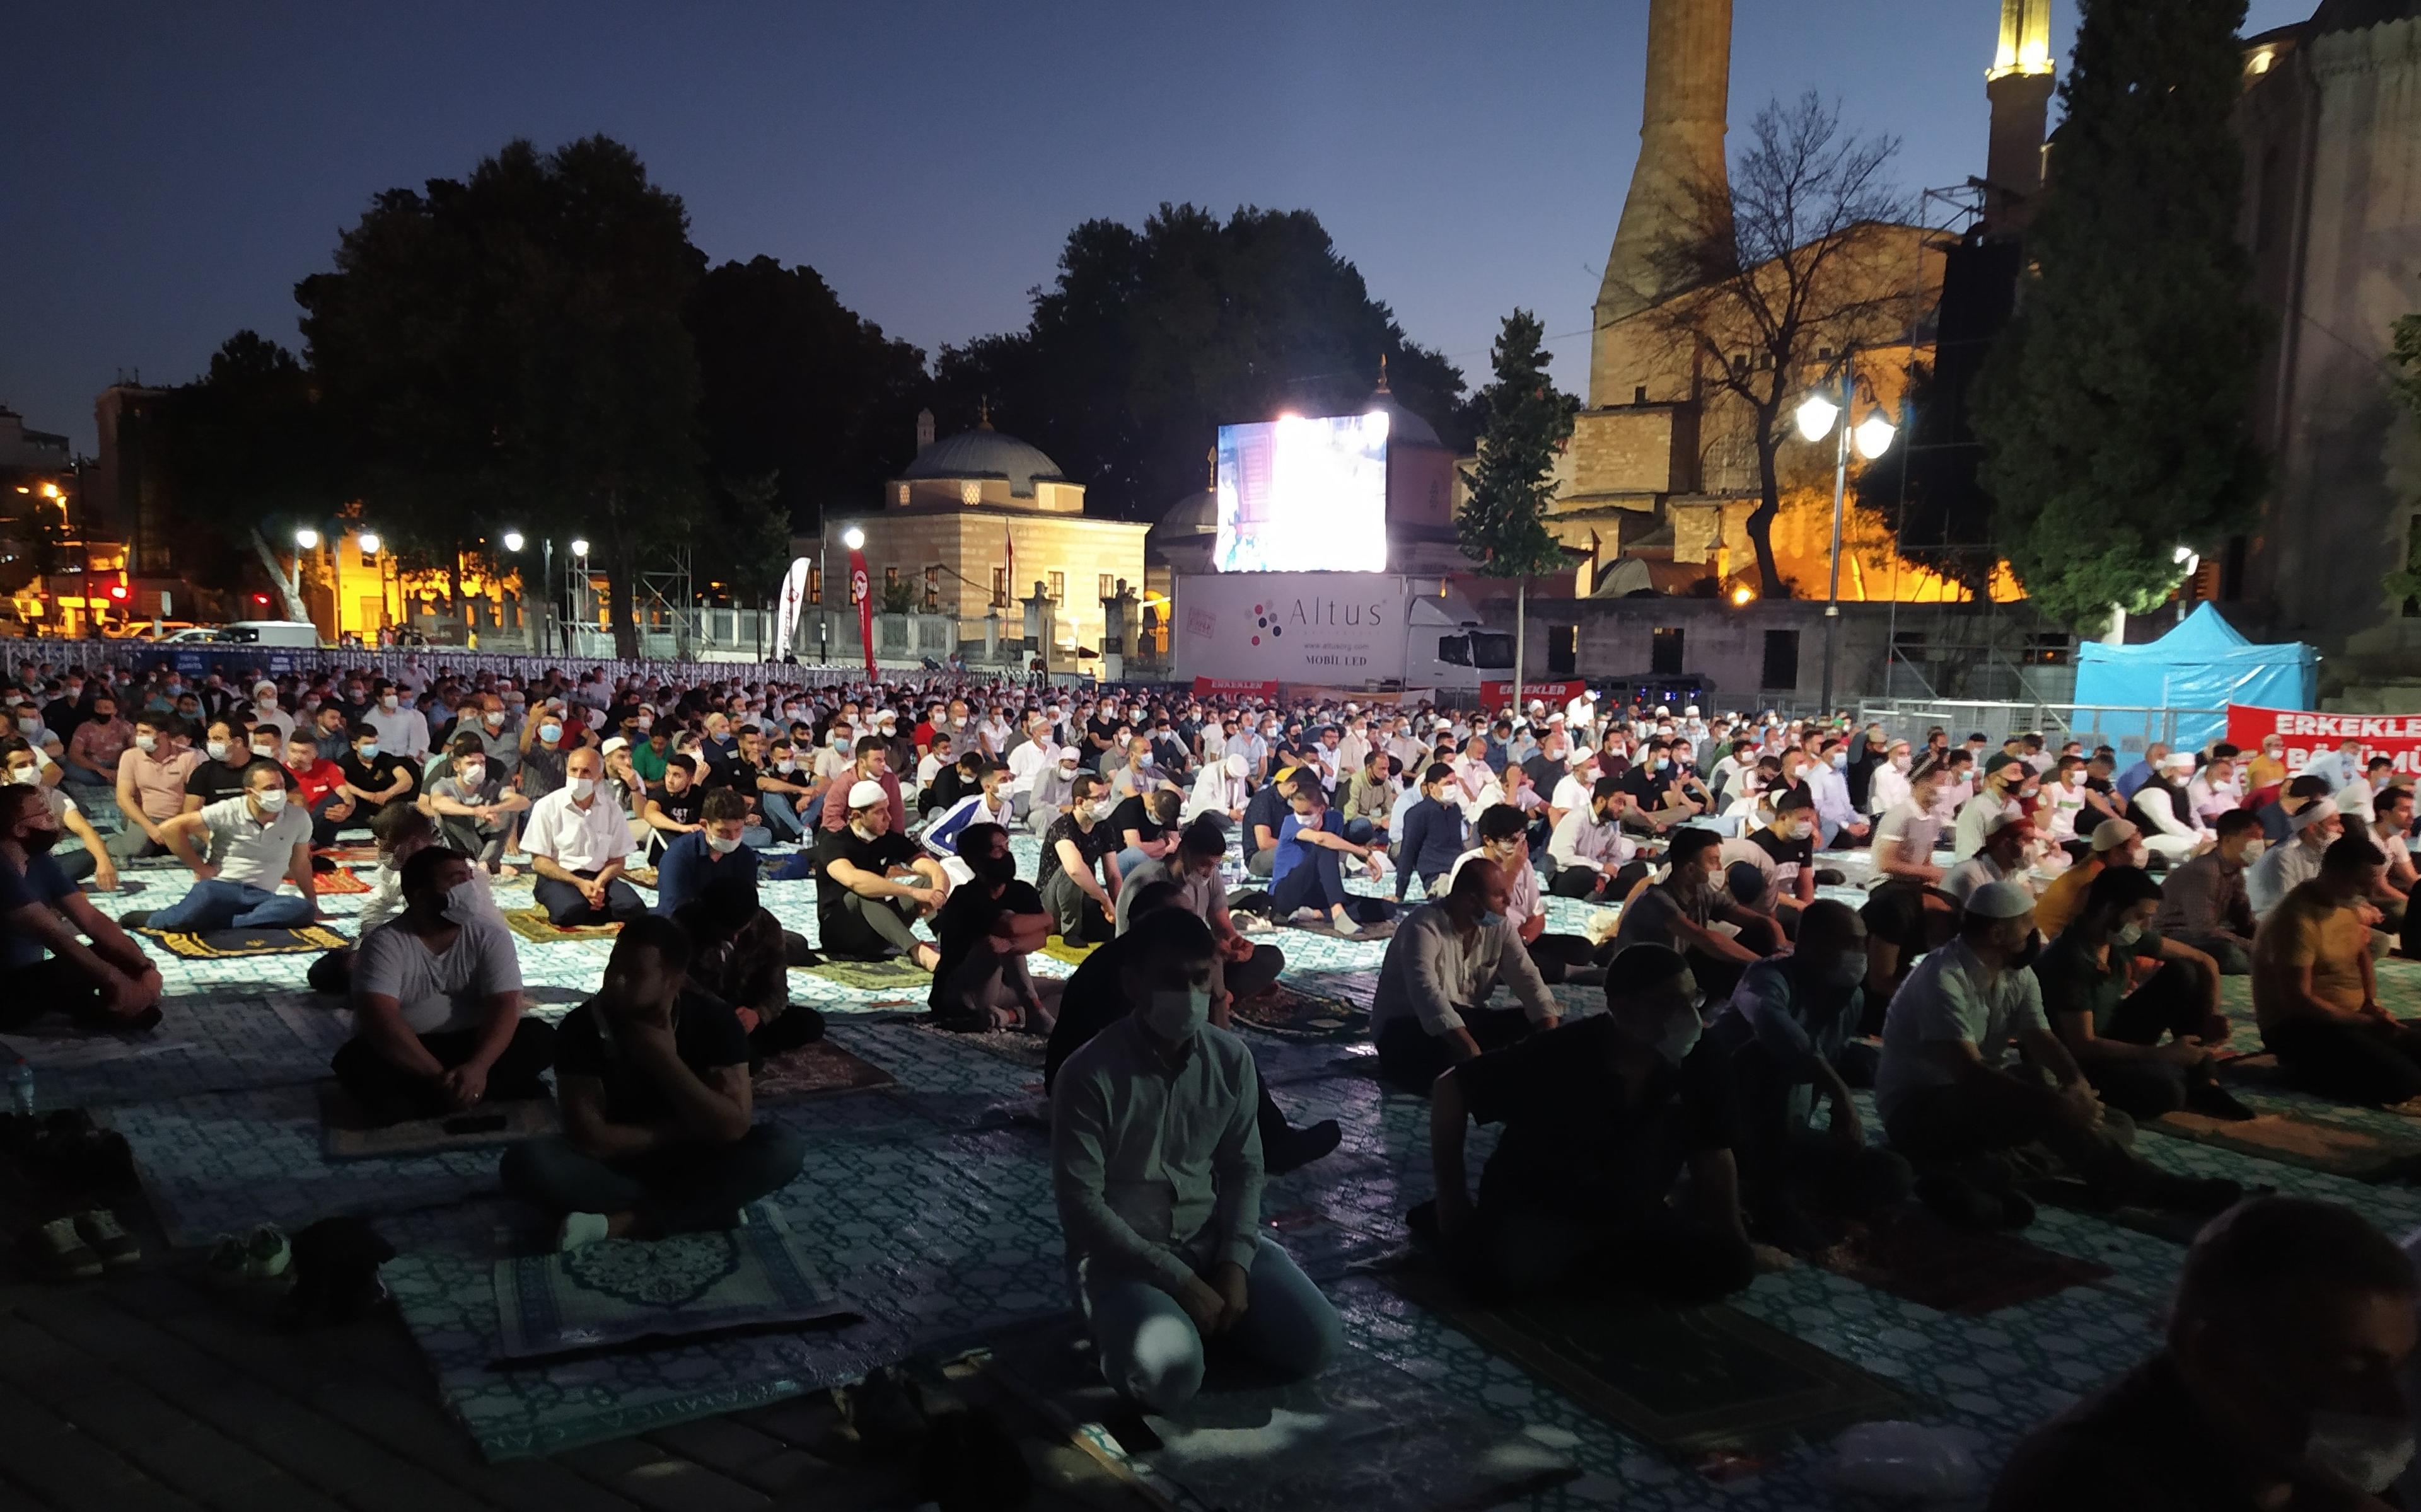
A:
[2036,964]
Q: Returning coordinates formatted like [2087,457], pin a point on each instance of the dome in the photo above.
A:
[1196,514]
[986,453]
[1402,423]
[2354,15]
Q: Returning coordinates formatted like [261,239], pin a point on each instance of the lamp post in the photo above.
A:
[305,540]
[579,595]
[1819,416]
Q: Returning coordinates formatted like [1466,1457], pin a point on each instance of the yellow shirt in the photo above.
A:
[2263,770]
[2308,928]
[2060,903]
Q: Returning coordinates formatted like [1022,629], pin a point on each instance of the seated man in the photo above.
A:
[472,806]
[375,778]
[2278,1383]
[1193,867]
[1956,1109]
[740,954]
[659,1135]
[1588,847]
[1265,814]
[873,885]
[400,834]
[2287,865]
[578,844]
[2115,843]
[1680,912]
[1146,825]
[254,842]
[437,1003]
[1156,1164]
[2114,1030]
[2203,902]
[1783,1031]
[2314,993]
[93,860]
[987,928]
[151,777]
[1430,1010]
[672,807]
[1430,834]
[45,965]
[1309,874]
[1371,798]
[1503,833]
[713,849]
[2000,857]
[1079,872]
[986,804]
[318,786]
[1600,1118]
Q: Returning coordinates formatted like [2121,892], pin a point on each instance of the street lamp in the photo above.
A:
[308,538]
[853,538]
[513,540]
[1819,416]
[369,542]
[578,546]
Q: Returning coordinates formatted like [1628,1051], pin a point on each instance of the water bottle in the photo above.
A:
[20,1086]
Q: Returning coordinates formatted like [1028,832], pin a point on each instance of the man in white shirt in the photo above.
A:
[403,730]
[1588,848]
[579,844]
[2361,796]
[1445,960]
[256,842]
[2338,767]
[1052,789]
[266,715]
[2000,857]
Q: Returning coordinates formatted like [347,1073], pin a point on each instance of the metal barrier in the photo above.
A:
[2125,728]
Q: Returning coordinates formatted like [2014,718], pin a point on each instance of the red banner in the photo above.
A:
[1234,688]
[863,592]
[1554,695]
[2307,734]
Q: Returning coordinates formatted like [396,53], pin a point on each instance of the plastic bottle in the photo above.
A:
[20,1086]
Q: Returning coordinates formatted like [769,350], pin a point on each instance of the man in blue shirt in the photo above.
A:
[1309,869]
[1264,815]
[1430,839]
[107,984]
[711,852]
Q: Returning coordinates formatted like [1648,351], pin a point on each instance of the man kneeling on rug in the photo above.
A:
[659,1133]
[1446,961]
[1156,1163]
[108,984]
[437,1003]
[1600,1116]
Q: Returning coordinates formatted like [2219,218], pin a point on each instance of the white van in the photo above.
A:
[289,633]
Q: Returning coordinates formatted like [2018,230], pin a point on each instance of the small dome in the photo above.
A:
[1196,514]
[1402,423]
[986,453]
[2354,15]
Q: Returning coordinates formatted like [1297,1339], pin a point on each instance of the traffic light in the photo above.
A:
[261,599]
[117,591]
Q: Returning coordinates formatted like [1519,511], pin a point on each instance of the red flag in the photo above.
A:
[860,590]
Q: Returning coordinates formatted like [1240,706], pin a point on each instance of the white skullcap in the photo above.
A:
[615,744]
[2000,900]
[1690,712]
[865,793]
[2309,815]
[2182,760]
[1069,753]
[2112,833]
[1237,766]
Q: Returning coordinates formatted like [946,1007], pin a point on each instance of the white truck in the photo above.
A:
[1376,632]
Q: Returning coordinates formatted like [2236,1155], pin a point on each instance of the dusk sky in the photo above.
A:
[170,171]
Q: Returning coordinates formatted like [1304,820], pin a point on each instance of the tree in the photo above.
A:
[1503,523]
[2113,412]
[515,347]
[247,463]
[1800,256]
[1151,338]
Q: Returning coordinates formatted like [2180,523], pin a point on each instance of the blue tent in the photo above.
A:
[2203,664]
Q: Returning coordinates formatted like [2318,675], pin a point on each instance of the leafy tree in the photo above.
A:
[2114,411]
[1503,524]
[246,460]
[1791,261]
[515,347]
[1150,338]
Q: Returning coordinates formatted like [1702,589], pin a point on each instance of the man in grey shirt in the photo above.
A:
[475,809]
[255,841]
[2290,863]
[1193,867]
[1156,1166]
[1445,959]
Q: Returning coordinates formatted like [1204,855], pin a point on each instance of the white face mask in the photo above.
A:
[720,846]
[387,701]
[495,721]
[474,775]
[1101,808]
[461,902]
[2254,847]
[1176,1015]
[2365,1452]
[272,798]
[2127,934]
[146,744]
[25,776]
[584,789]
[1680,1036]
[217,749]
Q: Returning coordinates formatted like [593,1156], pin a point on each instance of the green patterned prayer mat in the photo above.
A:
[1917,1256]
[228,944]
[622,1294]
[2292,1139]
[535,926]
[1365,1434]
[1691,1380]
[1292,1013]
[872,976]
[348,1133]
[819,1069]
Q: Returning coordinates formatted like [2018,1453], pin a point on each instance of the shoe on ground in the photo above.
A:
[2213,1100]
[1306,915]
[224,1266]
[578,1229]
[134,918]
[64,1254]
[100,1228]
[1300,1147]
[266,1252]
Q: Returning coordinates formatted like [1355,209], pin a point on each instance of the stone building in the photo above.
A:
[2331,123]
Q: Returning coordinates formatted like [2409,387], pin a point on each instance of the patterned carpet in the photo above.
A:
[927,1209]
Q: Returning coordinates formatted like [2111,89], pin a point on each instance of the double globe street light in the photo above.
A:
[1818,416]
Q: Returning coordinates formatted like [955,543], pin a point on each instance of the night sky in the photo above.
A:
[168,171]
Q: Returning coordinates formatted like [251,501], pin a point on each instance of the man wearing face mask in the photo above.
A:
[2315,826]
[254,842]
[1680,914]
[716,849]
[2114,1032]
[46,965]
[1156,1163]
[268,716]
[579,845]
[1953,1103]
[2001,856]
[2204,904]
[2279,1384]
[402,728]
[1445,962]
[437,1003]
[1600,1118]
[988,926]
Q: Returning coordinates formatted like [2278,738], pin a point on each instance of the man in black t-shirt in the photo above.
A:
[226,756]
[375,779]
[1789,842]
[872,885]
[1079,875]
[659,1135]
[1146,825]
[674,805]
[1600,1118]
[987,930]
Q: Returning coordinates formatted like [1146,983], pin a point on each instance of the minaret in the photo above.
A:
[1680,162]
[2019,87]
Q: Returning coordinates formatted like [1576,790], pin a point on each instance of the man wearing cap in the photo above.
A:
[873,883]
[1052,789]
[2115,843]
[2159,807]
[2002,857]
[2314,825]
[1264,817]
[1953,1104]
[1600,1119]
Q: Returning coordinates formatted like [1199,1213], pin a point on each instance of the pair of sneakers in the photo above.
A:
[83,1246]
[261,1254]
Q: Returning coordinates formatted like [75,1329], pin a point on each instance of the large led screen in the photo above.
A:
[1304,495]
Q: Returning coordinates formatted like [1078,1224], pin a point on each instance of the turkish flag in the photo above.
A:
[862,591]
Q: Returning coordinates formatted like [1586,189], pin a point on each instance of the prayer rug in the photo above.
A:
[1366,1434]
[1059,947]
[625,1294]
[339,884]
[1919,1257]
[1385,929]
[227,945]
[1292,1013]
[1691,1380]
[2292,1139]
[534,926]
[872,976]
[2161,1222]
[816,1070]
[1011,1045]
[2260,1070]
[348,1133]
[351,855]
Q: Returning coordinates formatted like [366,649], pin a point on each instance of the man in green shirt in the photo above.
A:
[648,756]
